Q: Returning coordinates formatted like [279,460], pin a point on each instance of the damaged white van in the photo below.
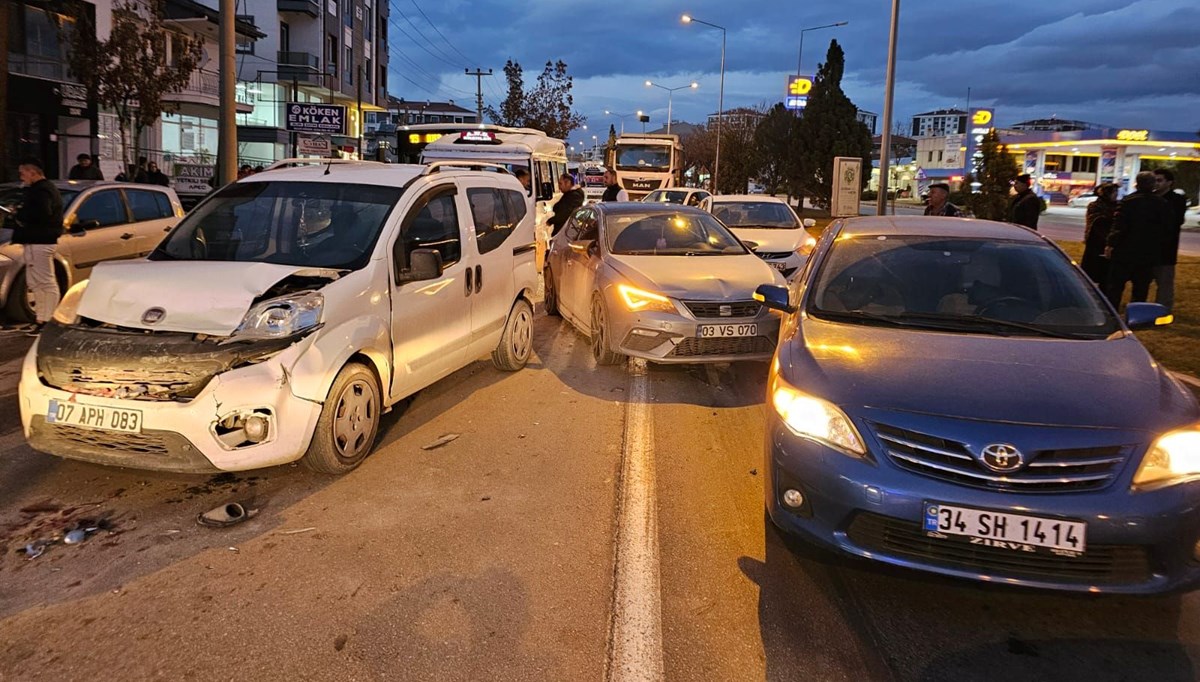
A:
[282,316]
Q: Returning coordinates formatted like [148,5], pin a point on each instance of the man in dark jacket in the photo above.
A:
[156,177]
[39,223]
[939,204]
[84,169]
[613,190]
[1164,272]
[572,198]
[1095,233]
[1135,242]
[1025,207]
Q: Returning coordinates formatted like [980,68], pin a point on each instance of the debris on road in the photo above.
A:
[225,515]
[35,549]
[754,472]
[298,530]
[442,440]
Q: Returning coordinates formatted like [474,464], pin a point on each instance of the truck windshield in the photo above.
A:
[645,157]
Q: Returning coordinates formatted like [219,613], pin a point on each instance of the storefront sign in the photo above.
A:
[313,145]
[329,119]
[1108,164]
[980,123]
[193,178]
[847,186]
[1133,135]
[798,89]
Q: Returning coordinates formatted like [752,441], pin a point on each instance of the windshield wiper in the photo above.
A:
[974,321]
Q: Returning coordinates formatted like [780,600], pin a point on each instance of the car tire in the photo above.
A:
[348,424]
[550,295]
[516,342]
[601,350]
[17,308]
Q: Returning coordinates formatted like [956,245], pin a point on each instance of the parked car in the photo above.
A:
[666,283]
[282,316]
[1082,199]
[768,226]
[103,220]
[683,196]
[957,397]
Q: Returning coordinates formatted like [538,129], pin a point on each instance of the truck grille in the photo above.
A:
[723,308]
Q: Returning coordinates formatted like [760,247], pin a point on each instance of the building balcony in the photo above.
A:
[203,87]
[304,67]
[310,7]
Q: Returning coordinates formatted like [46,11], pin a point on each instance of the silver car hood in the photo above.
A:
[697,278]
[768,240]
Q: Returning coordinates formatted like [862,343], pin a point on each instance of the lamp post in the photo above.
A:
[671,93]
[620,116]
[800,56]
[687,19]
[889,90]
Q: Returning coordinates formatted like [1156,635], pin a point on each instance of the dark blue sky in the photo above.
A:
[1114,62]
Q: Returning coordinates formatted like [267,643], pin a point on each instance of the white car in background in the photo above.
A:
[684,196]
[768,226]
[1082,200]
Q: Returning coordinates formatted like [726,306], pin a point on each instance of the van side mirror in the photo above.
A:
[774,297]
[546,191]
[423,264]
[1142,315]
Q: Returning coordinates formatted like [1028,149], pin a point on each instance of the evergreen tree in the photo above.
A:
[829,128]
[996,171]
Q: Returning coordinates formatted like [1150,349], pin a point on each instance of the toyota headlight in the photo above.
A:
[281,317]
[811,417]
[67,311]
[638,300]
[1173,458]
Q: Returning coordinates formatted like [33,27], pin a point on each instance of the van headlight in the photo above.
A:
[1173,458]
[811,417]
[67,311]
[281,317]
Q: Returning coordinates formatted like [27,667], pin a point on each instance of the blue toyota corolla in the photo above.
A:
[955,396]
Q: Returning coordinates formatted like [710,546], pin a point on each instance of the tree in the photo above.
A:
[547,107]
[996,170]
[739,158]
[774,148]
[829,128]
[141,61]
[512,109]
[699,150]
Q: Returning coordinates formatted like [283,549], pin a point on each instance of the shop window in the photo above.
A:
[1055,163]
[1084,164]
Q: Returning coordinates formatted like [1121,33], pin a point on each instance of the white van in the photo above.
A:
[545,157]
[282,316]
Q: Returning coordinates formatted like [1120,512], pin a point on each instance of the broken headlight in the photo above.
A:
[67,311]
[281,317]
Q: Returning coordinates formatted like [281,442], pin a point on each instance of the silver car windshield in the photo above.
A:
[759,214]
[313,224]
[964,285]
[669,234]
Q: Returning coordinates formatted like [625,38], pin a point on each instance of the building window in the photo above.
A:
[1084,164]
[367,71]
[348,13]
[348,72]
[1055,163]
[331,55]
[245,44]
[285,37]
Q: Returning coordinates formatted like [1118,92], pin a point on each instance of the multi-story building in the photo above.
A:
[741,117]
[1053,124]
[868,118]
[940,122]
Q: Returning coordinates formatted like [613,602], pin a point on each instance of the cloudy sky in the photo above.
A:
[1114,62]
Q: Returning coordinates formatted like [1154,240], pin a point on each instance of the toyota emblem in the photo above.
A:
[153,316]
[1002,457]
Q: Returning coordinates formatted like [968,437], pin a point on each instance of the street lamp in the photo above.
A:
[800,56]
[620,116]
[670,93]
[687,19]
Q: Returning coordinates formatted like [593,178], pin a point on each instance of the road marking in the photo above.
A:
[635,632]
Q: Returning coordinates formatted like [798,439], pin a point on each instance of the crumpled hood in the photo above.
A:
[1055,382]
[772,240]
[698,278]
[199,297]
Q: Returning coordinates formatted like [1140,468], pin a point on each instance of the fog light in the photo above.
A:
[257,428]
[793,498]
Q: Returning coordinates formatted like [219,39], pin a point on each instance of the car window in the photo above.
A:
[663,233]
[165,209]
[757,214]
[490,211]
[433,224]
[517,206]
[105,207]
[144,205]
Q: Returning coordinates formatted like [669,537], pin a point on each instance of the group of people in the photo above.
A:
[1023,208]
[573,196]
[145,171]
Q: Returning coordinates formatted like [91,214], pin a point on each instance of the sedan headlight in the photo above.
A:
[1173,457]
[807,246]
[281,317]
[637,300]
[67,311]
[811,417]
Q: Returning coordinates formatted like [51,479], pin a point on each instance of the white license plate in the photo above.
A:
[1017,532]
[94,416]
[778,264]
[720,331]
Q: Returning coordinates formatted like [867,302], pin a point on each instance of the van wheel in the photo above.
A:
[516,343]
[348,424]
[600,331]
[550,297]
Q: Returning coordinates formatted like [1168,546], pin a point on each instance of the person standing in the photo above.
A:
[1135,242]
[84,169]
[1095,233]
[39,224]
[1025,207]
[156,177]
[570,201]
[612,190]
[522,175]
[939,204]
[1164,272]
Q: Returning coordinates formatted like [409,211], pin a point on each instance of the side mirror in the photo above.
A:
[1142,315]
[774,297]
[809,222]
[80,227]
[423,264]
[753,246]
[546,192]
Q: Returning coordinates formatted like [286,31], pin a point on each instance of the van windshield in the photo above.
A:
[314,224]
[647,157]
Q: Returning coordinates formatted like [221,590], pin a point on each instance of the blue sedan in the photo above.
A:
[955,396]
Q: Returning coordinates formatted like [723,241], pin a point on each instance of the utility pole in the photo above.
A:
[226,170]
[478,74]
[889,91]
[5,162]
[362,152]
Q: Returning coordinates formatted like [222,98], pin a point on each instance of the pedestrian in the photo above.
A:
[1025,207]
[39,224]
[156,177]
[1095,233]
[244,171]
[939,195]
[522,175]
[1164,272]
[612,190]
[141,173]
[1135,242]
[572,198]
[84,169]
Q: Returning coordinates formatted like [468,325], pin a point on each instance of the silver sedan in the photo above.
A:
[666,283]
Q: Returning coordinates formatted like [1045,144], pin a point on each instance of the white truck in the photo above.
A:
[647,162]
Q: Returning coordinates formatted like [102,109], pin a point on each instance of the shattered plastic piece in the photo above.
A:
[35,549]
[298,530]
[442,440]
[225,515]
[75,537]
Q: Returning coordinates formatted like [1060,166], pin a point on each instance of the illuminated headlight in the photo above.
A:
[67,311]
[636,299]
[281,317]
[807,246]
[1173,458]
[810,417]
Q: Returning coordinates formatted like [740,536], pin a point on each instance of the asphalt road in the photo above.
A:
[498,555]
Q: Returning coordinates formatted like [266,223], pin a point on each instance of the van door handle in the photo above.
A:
[127,236]
[478,279]
[470,285]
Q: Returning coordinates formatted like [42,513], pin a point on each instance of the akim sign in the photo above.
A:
[329,119]
[798,89]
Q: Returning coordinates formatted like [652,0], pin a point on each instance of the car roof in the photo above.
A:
[80,185]
[366,173]
[935,226]
[720,198]
[623,207]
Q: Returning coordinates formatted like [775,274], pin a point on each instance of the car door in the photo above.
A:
[153,216]
[494,216]
[431,319]
[105,234]
[577,286]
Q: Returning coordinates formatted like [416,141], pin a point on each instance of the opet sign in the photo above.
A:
[798,89]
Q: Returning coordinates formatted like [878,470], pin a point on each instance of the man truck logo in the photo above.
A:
[800,85]
[982,117]
[1002,457]
[1134,135]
